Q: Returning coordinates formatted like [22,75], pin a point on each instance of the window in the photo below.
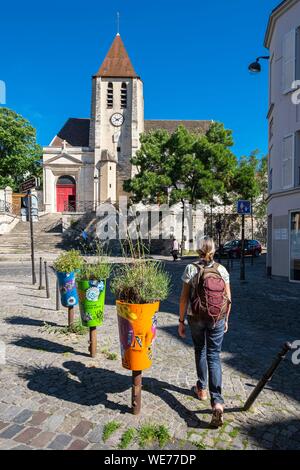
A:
[271,132]
[288,162]
[124,96]
[110,95]
[270,170]
[66,179]
[119,149]
[295,246]
[288,61]
[297,65]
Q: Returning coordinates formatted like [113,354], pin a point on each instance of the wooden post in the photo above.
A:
[47,280]
[136,398]
[57,296]
[93,341]
[70,316]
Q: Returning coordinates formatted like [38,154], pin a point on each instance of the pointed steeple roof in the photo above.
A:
[117,62]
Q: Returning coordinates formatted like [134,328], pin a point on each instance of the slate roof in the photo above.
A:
[76,131]
[200,127]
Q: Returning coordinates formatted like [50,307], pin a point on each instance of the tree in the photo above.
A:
[183,166]
[251,183]
[19,153]
[245,184]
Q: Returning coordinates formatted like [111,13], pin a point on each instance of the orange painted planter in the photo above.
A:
[137,331]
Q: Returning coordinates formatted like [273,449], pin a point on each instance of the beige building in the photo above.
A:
[283,41]
[88,160]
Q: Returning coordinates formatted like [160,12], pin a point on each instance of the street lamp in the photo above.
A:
[255,67]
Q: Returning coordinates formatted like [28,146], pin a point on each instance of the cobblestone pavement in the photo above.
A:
[54,396]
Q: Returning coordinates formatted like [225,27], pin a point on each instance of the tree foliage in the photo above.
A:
[183,166]
[19,153]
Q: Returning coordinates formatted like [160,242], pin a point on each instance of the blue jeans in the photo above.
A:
[208,344]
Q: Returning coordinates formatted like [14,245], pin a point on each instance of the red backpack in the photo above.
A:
[210,300]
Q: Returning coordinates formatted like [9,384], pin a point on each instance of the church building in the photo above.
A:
[88,160]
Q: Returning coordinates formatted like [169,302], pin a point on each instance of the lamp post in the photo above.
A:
[255,67]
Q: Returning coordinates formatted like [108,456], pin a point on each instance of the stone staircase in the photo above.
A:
[48,237]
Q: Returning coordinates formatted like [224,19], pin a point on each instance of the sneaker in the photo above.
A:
[200,394]
[217,419]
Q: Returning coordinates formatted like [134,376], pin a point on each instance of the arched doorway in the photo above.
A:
[66,194]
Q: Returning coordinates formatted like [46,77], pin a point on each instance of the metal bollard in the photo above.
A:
[57,296]
[41,274]
[267,376]
[93,341]
[47,280]
[136,397]
[70,316]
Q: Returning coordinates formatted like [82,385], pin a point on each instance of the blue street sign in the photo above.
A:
[244,207]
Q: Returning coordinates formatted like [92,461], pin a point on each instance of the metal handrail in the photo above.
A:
[86,206]
[5,207]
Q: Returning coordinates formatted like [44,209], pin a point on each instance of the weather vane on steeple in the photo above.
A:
[118,23]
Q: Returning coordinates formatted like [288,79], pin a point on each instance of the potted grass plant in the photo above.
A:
[91,286]
[67,265]
[139,286]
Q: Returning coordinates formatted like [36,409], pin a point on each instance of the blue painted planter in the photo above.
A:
[67,288]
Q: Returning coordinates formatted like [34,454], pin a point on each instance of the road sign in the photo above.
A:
[244,207]
[28,184]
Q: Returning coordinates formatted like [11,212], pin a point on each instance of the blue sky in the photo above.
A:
[192,57]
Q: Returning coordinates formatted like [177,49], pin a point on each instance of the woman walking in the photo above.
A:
[206,299]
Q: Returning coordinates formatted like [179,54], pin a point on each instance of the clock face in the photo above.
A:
[117,119]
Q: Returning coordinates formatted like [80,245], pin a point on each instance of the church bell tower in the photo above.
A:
[117,120]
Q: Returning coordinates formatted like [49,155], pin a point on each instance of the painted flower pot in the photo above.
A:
[137,330]
[67,288]
[91,302]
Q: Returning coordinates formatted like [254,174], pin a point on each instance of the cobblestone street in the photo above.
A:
[54,396]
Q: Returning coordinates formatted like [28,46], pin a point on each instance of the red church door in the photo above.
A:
[66,194]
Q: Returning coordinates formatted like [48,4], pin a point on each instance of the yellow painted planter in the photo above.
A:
[137,331]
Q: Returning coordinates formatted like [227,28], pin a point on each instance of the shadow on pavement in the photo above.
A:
[95,384]
[42,344]
[18,320]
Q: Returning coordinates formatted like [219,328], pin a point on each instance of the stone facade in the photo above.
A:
[96,152]
[283,41]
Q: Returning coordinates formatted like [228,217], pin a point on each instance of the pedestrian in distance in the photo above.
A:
[175,249]
[206,300]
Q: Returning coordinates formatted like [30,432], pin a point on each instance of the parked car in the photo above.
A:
[234,248]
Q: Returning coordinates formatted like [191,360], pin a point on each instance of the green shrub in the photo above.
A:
[149,433]
[127,438]
[68,262]
[96,271]
[141,282]
[109,429]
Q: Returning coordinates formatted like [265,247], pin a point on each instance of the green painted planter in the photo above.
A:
[91,302]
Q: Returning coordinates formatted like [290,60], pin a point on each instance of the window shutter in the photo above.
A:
[288,162]
[288,61]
